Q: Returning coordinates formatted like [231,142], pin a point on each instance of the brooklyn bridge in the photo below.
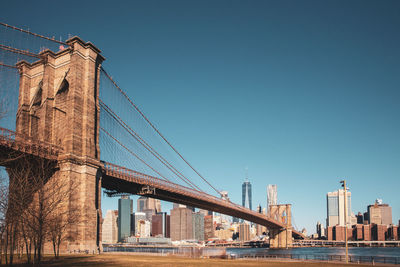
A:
[68,110]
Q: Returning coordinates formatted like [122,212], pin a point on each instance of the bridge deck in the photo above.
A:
[123,180]
[120,179]
[10,142]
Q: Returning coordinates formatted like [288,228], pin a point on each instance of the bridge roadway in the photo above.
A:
[122,180]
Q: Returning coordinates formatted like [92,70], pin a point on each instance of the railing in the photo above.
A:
[140,178]
[321,257]
[28,144]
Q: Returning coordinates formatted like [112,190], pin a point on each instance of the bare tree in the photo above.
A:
[40,200]
[61,216]
[3,210]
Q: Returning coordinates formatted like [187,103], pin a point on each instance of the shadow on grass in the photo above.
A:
[68,261]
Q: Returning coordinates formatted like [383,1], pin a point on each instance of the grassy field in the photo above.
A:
[138,260]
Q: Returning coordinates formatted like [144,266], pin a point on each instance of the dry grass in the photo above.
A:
[110,260]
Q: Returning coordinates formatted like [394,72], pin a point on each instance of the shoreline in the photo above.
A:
[122,260]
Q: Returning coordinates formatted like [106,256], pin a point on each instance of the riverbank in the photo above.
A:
[123,260]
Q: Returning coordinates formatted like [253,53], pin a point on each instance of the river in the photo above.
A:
[353,251]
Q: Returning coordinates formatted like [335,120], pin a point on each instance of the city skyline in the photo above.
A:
[305,95]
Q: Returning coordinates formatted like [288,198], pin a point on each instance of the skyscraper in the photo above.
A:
[124,218]
[272,195]
[160,225]
[244,232]
[181,224]
[335,208]
[109,227]
[246,194]
[148,203]
[380,213]
[139,219]
[198,226]
[141,204]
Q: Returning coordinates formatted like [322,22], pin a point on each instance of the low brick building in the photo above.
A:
[378,232]
[367,232]
[329,233]
[393,232]
[358,232]
[338,233]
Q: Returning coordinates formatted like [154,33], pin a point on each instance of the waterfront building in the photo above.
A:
[329,233]
[339,233]
[378,232]
[110,227]
[124,218]
[335,209]
[380,213]
[358,232]
[393,232]
[367,232]
[138,218]
[246,194]
[208,227]
[244,232]
[224,234]
[198,226]
[272,195]
[160,225]
[181,224]
[320,230]
[149,241]
[143,228]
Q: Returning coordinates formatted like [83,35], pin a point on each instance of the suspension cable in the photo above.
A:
[148,147]
[158,132]
[8,66]
[18,51]
[134,154]
[32,33]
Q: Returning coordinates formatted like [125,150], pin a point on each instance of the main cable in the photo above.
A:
[148,147]
[157,131]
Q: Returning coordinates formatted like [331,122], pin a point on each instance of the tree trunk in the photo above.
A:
[58,245]
[54,246]
[27,248]
[12,244]
[1,246]
[6,244]
[35,252]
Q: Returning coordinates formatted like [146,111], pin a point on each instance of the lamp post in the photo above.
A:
[343,182]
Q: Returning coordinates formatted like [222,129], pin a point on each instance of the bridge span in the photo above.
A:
[64,106]
[119,179]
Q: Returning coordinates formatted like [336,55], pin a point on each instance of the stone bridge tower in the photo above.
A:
[58,103]
[281,238]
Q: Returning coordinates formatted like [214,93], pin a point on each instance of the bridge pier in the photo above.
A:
[84,234]
[281,238]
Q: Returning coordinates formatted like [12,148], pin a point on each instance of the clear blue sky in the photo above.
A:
[303,93]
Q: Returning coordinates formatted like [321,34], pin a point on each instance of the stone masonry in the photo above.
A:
[281,238]
[58,103]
